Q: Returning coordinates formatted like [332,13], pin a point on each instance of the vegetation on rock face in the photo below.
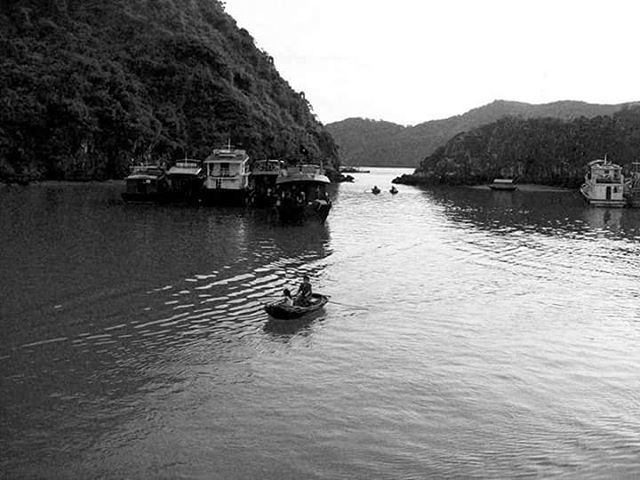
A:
[87,86]
[544,150]
[378,143]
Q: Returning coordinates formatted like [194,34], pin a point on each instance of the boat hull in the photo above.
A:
[600,202]
[503,188]
[290,212]
[151,198]
[228,198]
[185,189]
[292,312]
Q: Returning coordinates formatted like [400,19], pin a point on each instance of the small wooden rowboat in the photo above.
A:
[289,312]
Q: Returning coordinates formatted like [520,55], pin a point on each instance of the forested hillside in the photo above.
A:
[86,86]
[548,151]
[377,143]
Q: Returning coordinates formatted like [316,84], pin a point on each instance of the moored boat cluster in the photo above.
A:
[226,177]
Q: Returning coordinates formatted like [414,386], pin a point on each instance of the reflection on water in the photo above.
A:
[470,333]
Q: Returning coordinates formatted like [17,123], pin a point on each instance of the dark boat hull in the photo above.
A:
[155,197]
[290,212]
[222,197]
[286,312]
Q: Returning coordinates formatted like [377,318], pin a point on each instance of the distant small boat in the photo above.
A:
[393,190]
[603,184]
[375,190]
[282,311]
[146,183]
[505,184]
[348,169]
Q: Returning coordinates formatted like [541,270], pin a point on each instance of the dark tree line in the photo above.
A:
[541,150]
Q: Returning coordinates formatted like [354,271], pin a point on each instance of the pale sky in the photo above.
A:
[410,61]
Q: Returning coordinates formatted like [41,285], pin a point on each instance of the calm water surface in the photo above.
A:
[471,334]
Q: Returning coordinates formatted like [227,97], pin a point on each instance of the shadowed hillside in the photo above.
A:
[378,143]
[87,86]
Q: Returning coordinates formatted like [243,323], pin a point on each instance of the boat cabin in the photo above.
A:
[302,194]
[186,178]
[146,182]
[307,181]
[227,175]
[503,184]
[262,182]
[603,184]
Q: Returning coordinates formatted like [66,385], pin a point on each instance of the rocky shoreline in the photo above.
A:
[480,182]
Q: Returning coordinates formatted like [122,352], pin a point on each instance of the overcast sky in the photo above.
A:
[409,61]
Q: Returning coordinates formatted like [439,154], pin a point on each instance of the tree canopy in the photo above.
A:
[541,150]
[87,86]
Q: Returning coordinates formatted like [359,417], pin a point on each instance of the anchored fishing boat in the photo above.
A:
[227,176]
[186,180]
[282,311]
[146,183]
[302,194]
[503,184]
[603,184]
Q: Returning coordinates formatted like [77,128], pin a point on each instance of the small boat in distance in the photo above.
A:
[393,190]
[186,180]
[348,169]
[282,311]
[227,176]
[375,190]
[146,183]
[301,194]
[603,184]
[505,184]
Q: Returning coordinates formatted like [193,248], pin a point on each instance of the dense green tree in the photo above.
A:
[540,150]
[87,86]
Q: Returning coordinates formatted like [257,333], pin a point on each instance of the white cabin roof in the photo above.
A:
[226,155]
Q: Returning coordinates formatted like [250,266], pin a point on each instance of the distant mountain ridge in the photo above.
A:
[380,143]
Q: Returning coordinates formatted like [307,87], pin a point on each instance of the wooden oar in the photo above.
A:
[346,304]
[328,301]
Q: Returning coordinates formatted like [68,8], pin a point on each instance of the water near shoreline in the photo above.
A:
[471,334]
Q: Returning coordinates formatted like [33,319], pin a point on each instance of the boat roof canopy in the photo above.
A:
[603,163]
[186,170]
[225,155]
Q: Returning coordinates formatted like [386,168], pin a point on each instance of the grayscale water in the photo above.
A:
[471,334]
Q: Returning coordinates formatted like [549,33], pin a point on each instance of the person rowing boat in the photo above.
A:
[305,292]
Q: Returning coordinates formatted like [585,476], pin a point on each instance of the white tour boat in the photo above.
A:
[227,176]
[603,184]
